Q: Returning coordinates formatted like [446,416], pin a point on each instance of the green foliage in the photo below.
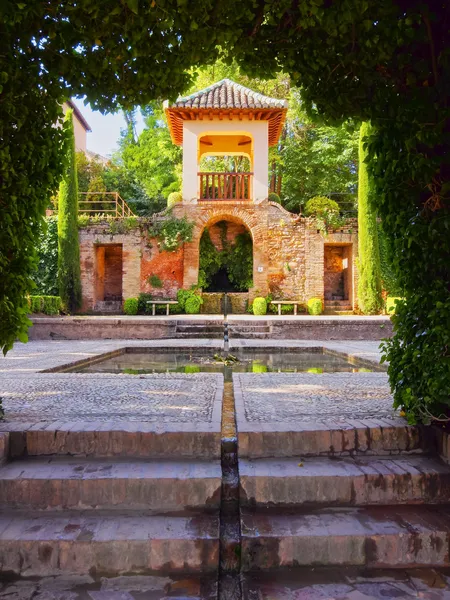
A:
[143,307]
[171,233]
[286,309]
[193,304]
[326,212]
[46,275]
[183,296]
[174,198]
[389,281]
[369,272]
[391,302]
[320,206]
[236,258]
[274,197]
[259,306]
[49,305]
[130,306]
[314,306]
[155,281]
[69,273]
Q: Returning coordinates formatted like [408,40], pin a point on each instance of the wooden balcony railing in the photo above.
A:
[103,203]
[225,186]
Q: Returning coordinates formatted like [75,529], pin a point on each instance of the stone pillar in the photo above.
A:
[260,161]
[190,165]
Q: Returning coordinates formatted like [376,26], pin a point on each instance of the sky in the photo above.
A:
[105,128]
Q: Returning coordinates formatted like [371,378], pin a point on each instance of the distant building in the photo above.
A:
[80,127]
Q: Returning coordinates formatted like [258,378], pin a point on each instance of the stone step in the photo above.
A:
[373,537]
[350,583]
[199,329]
[343,481]
[337,303]
[342,313]
[71,483]
[355,438]
[249,328]
[67,543]
[249,335]
[201,335]
[105,439]
[131,587]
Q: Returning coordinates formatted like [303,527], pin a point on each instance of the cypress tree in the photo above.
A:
[369,284]
[69,272]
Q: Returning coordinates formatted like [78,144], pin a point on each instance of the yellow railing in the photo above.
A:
[104,203]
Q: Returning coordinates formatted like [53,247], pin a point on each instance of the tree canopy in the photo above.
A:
[384,61]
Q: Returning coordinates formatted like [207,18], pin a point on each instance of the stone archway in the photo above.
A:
[254,220]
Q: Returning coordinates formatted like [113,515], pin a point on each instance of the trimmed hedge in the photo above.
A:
[130,306]
[274,197]
[193,304]
[259,306]
[50,305]
[315,306]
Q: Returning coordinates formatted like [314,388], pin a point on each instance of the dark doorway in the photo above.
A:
[220,282]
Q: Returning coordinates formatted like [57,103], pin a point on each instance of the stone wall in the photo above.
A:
[288,253]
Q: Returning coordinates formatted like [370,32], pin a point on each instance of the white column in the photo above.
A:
[260,160]
[190,166]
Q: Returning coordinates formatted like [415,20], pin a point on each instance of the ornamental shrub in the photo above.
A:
[143,307]
[193,304]
[130,306]
[69,272]
[314,306]
[259,306]
[174,198]
[319,206]
[274,197]
[184,295]
[370,300]
[50,305]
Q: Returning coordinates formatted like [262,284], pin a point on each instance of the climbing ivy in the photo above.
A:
[369,272]
[236,258]
[69,272]
[387,62]
[171,232]
[46,275]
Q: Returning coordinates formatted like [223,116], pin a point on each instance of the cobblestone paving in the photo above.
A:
[274,397]
[164,398]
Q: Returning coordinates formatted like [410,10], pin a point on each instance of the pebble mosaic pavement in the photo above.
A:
[274,397]
[30,395]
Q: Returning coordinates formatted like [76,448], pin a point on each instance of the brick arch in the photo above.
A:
[236,214]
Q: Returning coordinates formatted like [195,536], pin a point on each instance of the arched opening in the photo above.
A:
[226,258]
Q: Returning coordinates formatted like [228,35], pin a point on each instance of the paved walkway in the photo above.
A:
[32,396]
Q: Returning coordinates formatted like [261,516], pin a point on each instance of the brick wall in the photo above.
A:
[288,253]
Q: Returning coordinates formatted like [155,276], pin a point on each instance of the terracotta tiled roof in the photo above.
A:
[227,94]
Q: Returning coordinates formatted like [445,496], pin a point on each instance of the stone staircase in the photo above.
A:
[337,307]
[117,508]
[215,329]
[199,329]
[382,503]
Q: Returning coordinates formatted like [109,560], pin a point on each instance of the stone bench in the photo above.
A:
[154,303]
[292,302]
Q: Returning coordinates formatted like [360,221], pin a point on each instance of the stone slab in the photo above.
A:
[68,483]
[131,587]
[64,543]
[373,537]
[348,584]
[348,481]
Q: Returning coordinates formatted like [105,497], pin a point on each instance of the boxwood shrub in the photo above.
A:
[315,306]
[49,305]
[259,306]
[130,306]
